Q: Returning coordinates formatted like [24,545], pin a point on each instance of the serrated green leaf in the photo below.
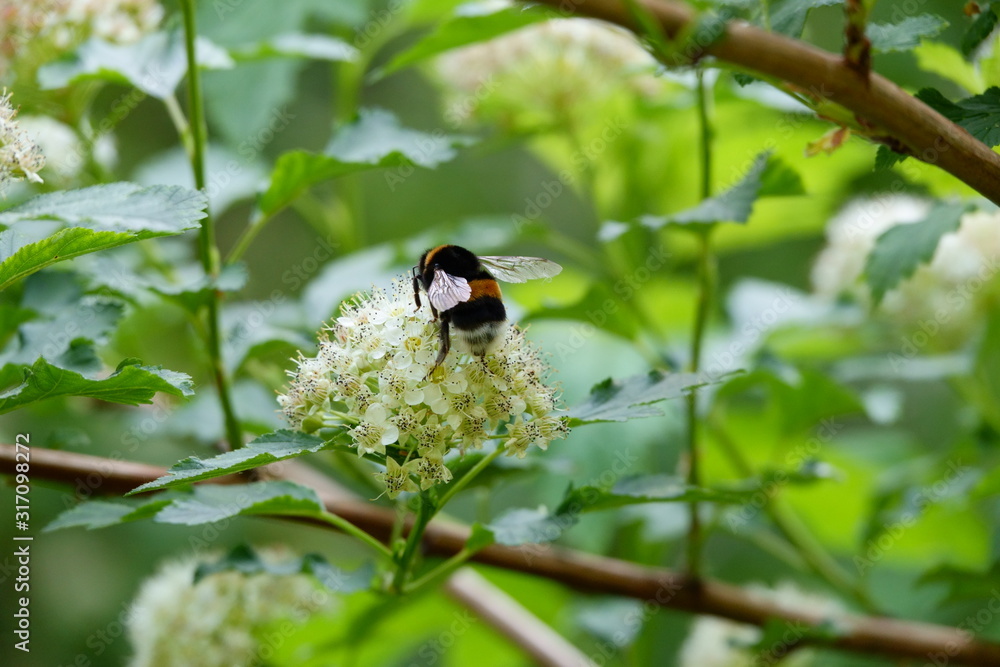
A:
[902,248]
[156,64]
[270,448]
[903,36]
[528,526]
[632,398]
[886,158]
[98,218]
[116,207]
[980,29]
[944,60]
[637,490]
[465,29]
[130,385]
[980,114]
[789,16]
[246,561]
[101,514]
[211,502]
[374,141]
[767,176]
[298,45]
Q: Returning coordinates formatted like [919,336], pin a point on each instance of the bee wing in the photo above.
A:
[519,269]
[447,291]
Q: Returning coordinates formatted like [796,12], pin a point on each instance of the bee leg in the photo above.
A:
[416,289]
[445,345]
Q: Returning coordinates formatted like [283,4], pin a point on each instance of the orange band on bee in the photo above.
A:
[484,287]
[429,256]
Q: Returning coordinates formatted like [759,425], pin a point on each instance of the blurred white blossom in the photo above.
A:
[943,297]
[222,619]
[717,642]
[58,142]
[373,376]
[38,31]
[20,157]
[543,73]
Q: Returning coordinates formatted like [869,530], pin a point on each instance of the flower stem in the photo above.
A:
[460,484]
[206,239]
[424,514]
[350,529]
[441,571]
[706,278]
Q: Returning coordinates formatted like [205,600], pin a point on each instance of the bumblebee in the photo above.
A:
[464,293]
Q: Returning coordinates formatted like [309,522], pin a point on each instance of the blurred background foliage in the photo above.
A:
[865,432]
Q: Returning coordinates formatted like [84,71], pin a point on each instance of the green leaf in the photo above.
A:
[99,218]
[767,176]
[246,561]
[214,502]
[632,398]
[155,64]
[901,249]
[480,538]
[789,16]
[130,385]
[270,448]
[524,526]
[903,36]
[980,114]
[639,489]
[101,514]
[980,29]
[194,295]
[599,299]
[374,141]
[464,29]
[116,207]
[943,60]
[886,158]
[964,585]
[298,45]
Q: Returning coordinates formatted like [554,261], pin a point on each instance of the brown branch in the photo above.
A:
[657,587]
[922,131]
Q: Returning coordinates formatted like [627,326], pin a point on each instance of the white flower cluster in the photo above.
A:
[373,375]
[219,620]
[41,29]
[717,642]
[547,68]
[943,297]
[20,158]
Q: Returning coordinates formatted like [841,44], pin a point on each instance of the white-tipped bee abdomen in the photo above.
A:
[483,339]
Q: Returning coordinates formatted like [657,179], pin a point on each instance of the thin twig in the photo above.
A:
[596,574]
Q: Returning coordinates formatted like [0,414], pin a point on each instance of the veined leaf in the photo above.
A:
[465,29]
[213,502]
[522,526]
[130,385]
[980,114]
[789,16]
[270,448]
[375,140]
[155,64]
[767,176]
[298,45]
[901,249]
[98,218]
[638,490]
[632,398]
[202,504]
[244,559]
[908,33]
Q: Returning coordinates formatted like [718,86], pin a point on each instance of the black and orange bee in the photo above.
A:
[464,293]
